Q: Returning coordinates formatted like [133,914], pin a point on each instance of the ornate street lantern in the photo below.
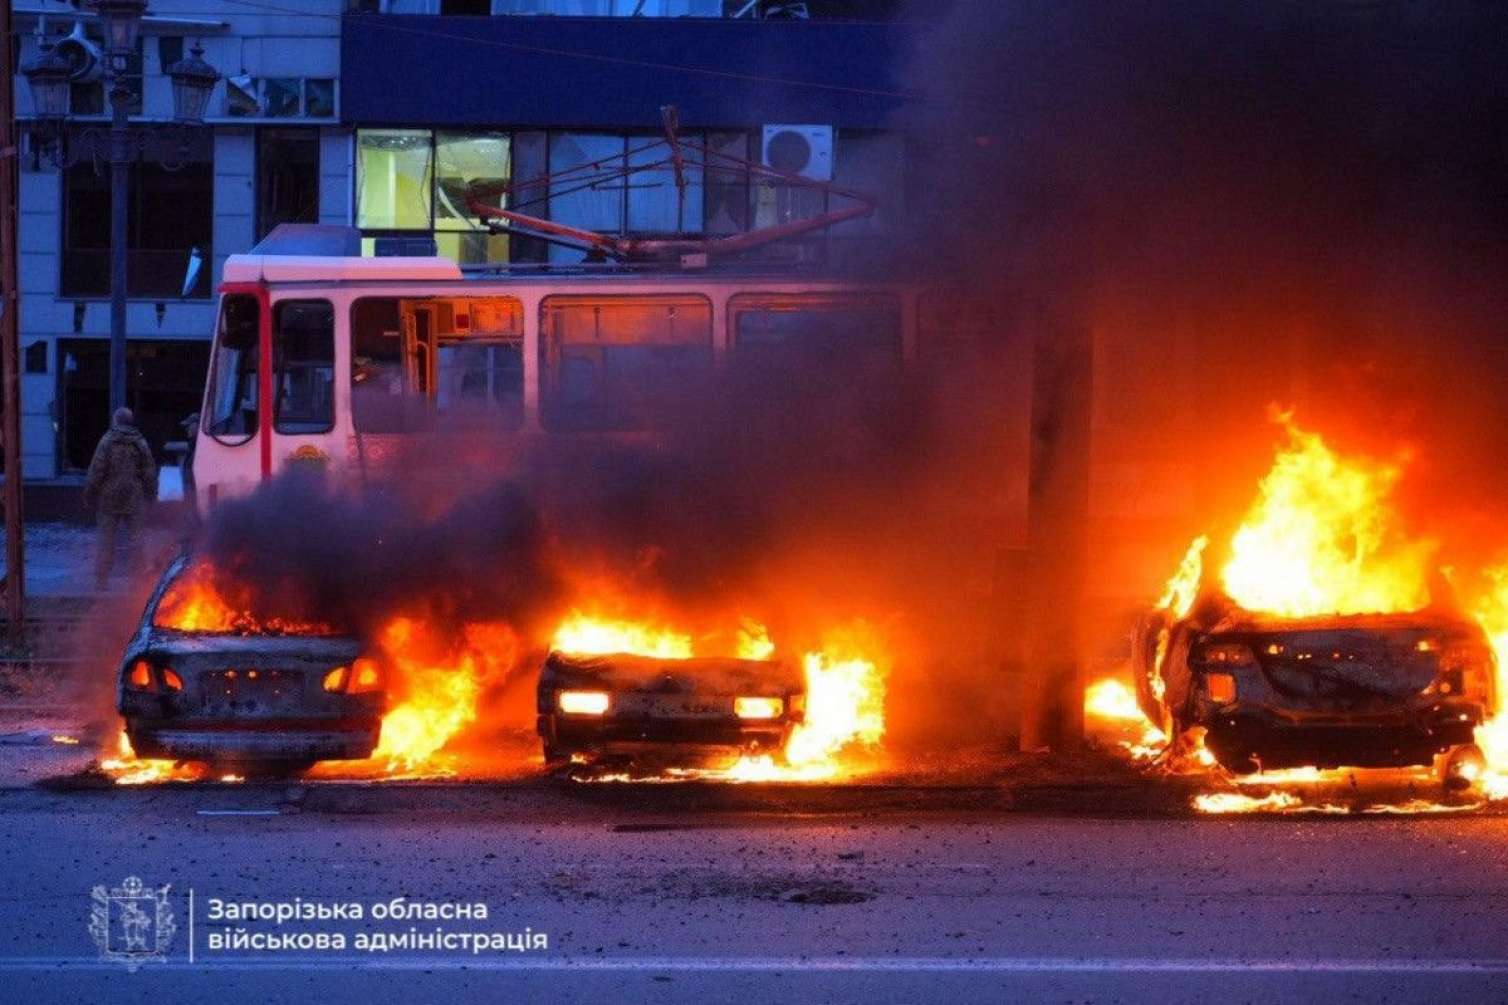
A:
[193,82]
[47,76]
[121,20]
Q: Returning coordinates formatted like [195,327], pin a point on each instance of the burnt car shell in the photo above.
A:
[241,700]
[665,710]
[1391,690]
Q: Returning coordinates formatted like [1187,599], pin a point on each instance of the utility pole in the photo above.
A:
[1052,713]
[10,340]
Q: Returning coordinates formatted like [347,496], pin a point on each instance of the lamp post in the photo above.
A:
[48,77]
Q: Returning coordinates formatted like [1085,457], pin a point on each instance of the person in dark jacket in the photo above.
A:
[122,481]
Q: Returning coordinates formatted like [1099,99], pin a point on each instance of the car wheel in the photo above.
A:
[556,758]
[1461,767]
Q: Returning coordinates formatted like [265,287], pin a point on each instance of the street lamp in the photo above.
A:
[122,23]
[194,81]
[49,76]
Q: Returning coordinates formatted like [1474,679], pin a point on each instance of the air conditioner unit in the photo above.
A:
[802,150]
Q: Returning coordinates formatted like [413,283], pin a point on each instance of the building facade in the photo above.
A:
[382,114]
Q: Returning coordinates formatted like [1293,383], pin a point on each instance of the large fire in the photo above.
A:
[200,600]
[437,687]
[437,682]
[845,682]
[1323,537]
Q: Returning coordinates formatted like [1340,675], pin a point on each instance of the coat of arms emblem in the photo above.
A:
[132,923]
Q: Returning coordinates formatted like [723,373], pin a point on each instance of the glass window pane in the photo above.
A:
[233,372]
[303,396]
[287,178]
[816,334]
[282,97]
[621,362]
[377,379]
[727,184]
[319,98]
[591,195]
[393,179]
[655,203]
[472,247]
[461,161]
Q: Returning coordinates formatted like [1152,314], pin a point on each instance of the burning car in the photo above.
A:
[623,708]
[1322,634]
[201,681]
[1384,690]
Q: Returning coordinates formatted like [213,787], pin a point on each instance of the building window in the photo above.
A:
[589,190]
[303,354]
[169,222]
[280,97]
[287,178]
[416,180]
[394,177]
[464,160]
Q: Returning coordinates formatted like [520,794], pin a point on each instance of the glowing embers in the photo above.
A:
[201,599]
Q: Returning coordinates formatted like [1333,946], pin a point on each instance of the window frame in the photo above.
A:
[430,394]
[276,371]
[135,194]
[212,383]
[547,380]
[755,300]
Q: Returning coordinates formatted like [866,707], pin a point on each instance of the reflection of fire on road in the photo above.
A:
[1321,546]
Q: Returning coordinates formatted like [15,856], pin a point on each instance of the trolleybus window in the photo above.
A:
[804,331]
[618,362]
[461,357]
[303,353]
[232,399]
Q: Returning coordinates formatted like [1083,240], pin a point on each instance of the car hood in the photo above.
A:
[712,676]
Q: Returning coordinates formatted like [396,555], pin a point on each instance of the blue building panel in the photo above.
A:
[617,72]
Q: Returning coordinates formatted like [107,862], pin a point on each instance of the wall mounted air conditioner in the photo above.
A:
[801,150]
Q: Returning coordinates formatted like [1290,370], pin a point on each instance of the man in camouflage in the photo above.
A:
[122,480]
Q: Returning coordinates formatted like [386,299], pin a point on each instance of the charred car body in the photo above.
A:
[621,708]
[252,701]
[1392,690]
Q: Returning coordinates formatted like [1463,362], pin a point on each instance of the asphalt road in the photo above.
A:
[697,893]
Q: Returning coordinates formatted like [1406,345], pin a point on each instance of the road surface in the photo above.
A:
[692,893]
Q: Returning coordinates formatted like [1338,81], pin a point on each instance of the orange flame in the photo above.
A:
[1324,538]
[195,603]
[125,768]
[439,686]
[845,699]
[584,634]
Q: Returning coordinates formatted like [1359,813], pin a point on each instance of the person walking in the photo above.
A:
[121,483]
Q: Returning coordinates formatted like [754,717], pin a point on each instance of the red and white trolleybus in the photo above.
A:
[335,357]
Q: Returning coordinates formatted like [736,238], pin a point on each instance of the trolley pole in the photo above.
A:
[10,341]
